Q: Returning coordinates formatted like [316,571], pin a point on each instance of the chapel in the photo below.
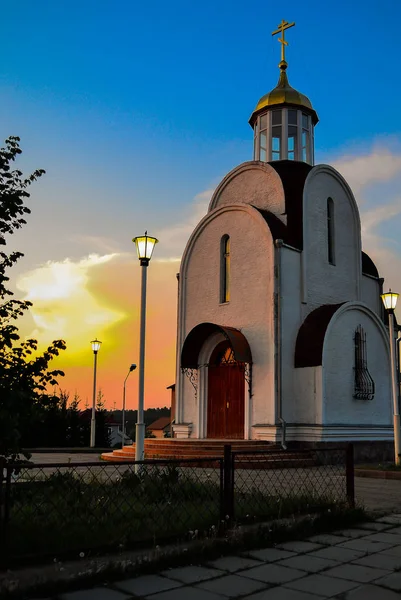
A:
[281,333]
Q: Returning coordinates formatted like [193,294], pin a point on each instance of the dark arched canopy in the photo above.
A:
[311,334]
[368,266]
[196,338]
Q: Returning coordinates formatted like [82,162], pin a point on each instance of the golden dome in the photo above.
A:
[283,93]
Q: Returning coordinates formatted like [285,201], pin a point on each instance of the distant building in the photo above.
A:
[160,428]
[115,433]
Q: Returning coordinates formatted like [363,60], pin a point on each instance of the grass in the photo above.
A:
[66,514]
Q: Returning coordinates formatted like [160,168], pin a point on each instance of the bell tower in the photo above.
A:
[284,119]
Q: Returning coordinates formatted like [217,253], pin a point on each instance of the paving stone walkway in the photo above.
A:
[378,494]
[352,564]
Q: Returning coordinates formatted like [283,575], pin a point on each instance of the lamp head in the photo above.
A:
[390,301]
[96,345]
[144,246]
[132,367]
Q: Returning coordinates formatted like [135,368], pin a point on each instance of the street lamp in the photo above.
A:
[390,302]
[144,247]
[132,368]
[95,347]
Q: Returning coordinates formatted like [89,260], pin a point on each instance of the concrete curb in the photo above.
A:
[376,474]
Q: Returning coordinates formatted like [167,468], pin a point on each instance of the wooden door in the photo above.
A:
[226,395]
[216,407]
[235,412]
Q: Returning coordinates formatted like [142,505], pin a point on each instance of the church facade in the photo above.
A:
[281,334]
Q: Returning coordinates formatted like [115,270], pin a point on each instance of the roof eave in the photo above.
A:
[310,111]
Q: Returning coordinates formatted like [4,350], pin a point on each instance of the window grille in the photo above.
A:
[226,357]
[364,384]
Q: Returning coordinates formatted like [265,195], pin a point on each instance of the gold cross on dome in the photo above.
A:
[281,29]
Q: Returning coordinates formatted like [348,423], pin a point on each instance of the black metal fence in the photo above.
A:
[64,510]
[277,484]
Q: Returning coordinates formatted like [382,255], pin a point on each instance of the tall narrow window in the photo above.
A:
[330,231]
[292,134]
[276,134]
[292,141]
[305,137]
[364,387]
[225,269]
[263,138]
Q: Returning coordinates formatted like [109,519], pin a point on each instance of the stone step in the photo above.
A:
[189,441]
[204,442]
[172,449]
[194,452]
[202,449]
[197,453]
[168,442]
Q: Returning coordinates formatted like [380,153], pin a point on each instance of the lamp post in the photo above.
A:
[132,368]
[398,365]
[144,246]
[95,347]
[390,302]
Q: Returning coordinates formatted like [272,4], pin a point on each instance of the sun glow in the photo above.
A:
[98,297]
[64,306]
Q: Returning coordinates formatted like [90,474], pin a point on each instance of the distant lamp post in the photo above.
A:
[144,246]
[132,368]
[390,302]
[95,347]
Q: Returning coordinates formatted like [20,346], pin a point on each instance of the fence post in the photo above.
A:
[2,495]
[3,472]
[349,475]
[222,490]
[228,484]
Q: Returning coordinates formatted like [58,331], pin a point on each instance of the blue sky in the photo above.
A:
[103,93]
[137,110]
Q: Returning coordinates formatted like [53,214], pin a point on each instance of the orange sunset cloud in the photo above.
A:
[99,296]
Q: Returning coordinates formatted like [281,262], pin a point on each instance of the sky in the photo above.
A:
[136,111]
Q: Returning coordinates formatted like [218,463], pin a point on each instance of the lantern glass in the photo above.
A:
[96,345]
[390,300]
[144,246]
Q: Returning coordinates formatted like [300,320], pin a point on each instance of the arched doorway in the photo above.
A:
[226,394]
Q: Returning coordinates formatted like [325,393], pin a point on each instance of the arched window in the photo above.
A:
[330,231]
[225,269]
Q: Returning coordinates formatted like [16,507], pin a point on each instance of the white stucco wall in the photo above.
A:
[291,316]
[339,406]
[251,301]
[370,294]
[315,396]
[306,405]
[253,183]
[326,283]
